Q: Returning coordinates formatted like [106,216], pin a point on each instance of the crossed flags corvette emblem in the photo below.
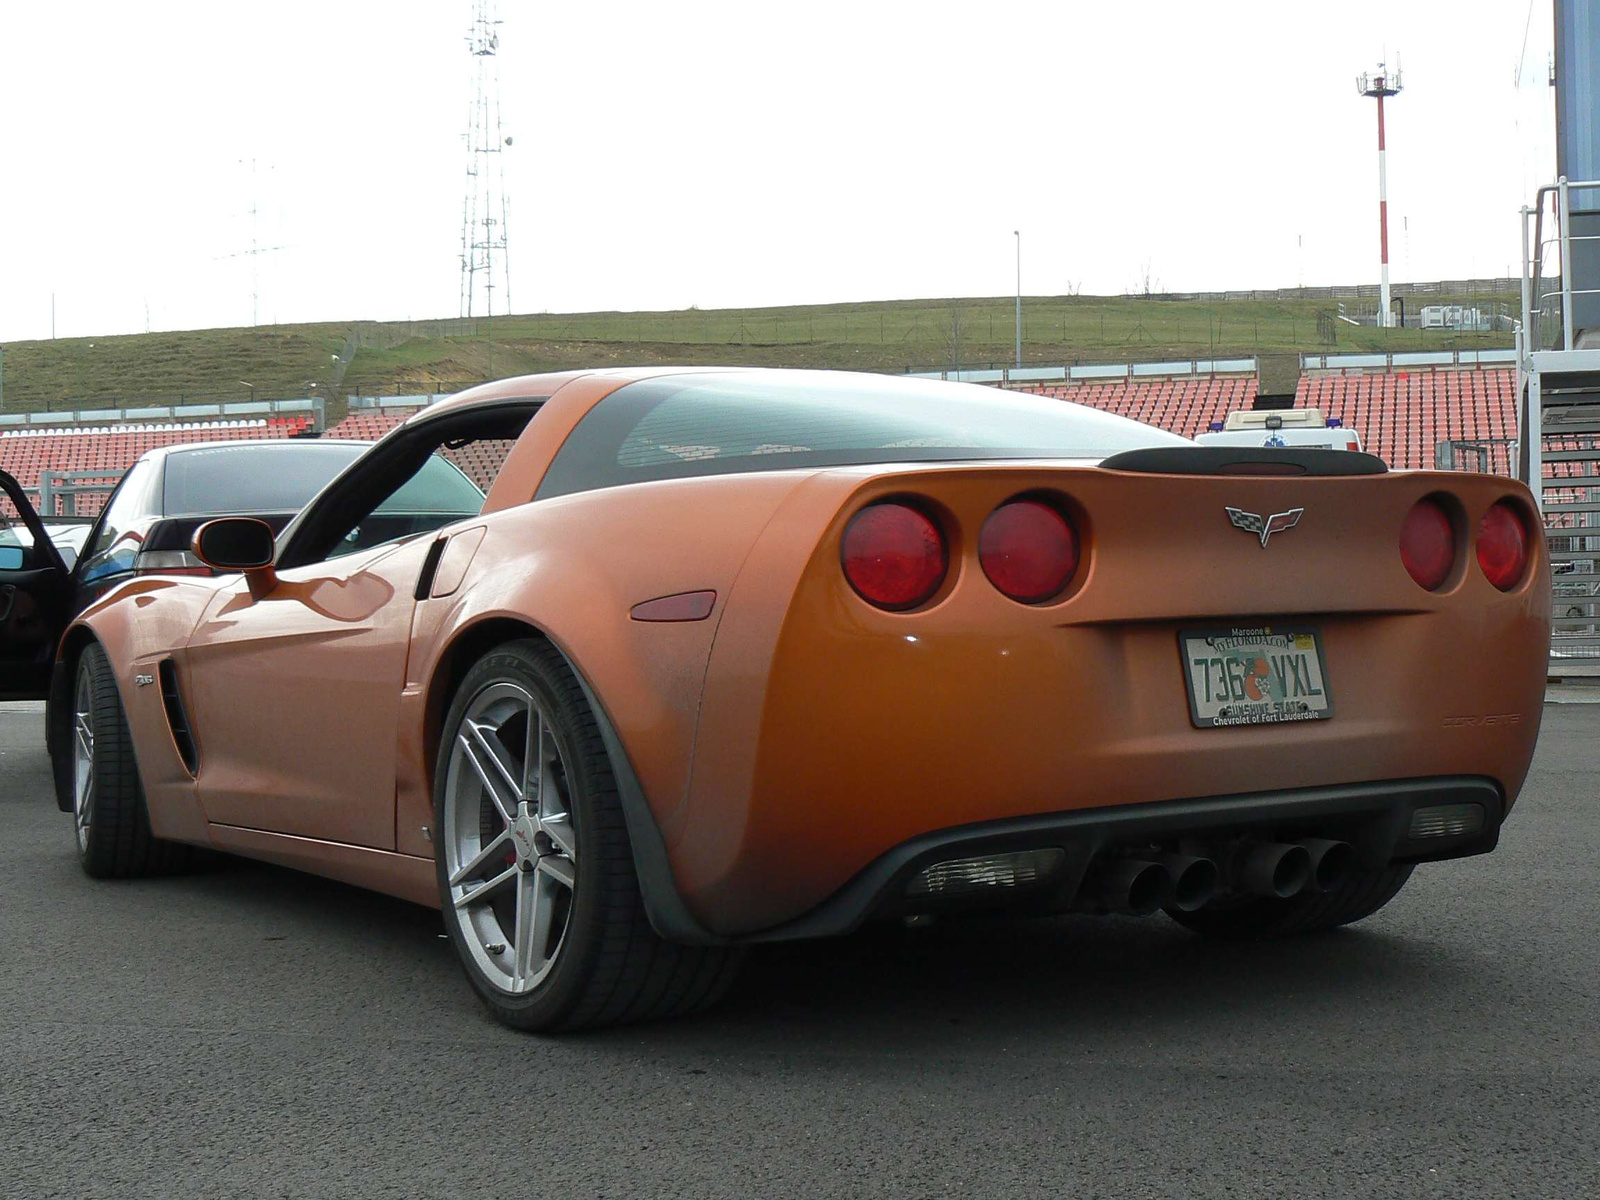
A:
[1253,523]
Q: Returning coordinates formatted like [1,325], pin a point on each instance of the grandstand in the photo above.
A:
[1402,417]
[368,425]
[1403,414]
[104,452]
[1185,406]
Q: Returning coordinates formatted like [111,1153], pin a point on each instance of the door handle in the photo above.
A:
[8,597]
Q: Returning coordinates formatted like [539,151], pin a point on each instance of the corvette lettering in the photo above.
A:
[1265,527]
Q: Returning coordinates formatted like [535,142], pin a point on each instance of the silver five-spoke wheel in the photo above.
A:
[536,869]
[510,856]
[83,755]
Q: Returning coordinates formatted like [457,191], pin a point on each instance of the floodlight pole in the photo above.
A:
[1377,86]
[1383,213]
[1017,233]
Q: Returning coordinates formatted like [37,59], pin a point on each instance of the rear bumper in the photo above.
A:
[1375,818]
[946,734]
[830,733]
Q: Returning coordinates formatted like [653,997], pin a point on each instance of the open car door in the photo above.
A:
[35,597]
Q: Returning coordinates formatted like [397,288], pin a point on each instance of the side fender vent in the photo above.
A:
[177,719]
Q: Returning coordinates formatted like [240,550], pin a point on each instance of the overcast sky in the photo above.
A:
[669,154]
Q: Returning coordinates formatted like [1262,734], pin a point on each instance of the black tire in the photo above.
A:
[1309,912]
[610,967]
[113,837]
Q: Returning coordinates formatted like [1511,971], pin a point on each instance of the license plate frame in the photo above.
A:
[1251,699]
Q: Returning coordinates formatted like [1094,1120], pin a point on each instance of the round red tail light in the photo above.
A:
[1028,550]
[894,556]
[1428,543]
[1503,546]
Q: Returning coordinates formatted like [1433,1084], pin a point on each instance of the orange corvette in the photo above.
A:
[733,656]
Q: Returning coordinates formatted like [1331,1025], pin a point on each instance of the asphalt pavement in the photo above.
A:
[252,1032]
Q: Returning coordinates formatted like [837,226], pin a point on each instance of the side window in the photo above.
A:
[437,494]
[426,474]
[116,543]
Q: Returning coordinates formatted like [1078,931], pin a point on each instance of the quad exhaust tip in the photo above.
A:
[1138,886]
[1274,870]
[1141,886]
[1194,881]
[1131,885]
[1333,864]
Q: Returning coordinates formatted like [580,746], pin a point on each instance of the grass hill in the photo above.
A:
[379,358]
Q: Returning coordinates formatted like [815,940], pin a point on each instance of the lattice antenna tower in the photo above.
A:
[255,251]
[485,260]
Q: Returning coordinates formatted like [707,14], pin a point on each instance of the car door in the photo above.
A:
[295,696]
[35,597]
[295,692]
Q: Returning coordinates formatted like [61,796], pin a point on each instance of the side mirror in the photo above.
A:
[238,544]
[12,558]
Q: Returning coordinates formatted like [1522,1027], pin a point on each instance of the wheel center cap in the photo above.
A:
[523,830]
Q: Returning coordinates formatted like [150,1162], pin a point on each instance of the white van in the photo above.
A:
[1280,427]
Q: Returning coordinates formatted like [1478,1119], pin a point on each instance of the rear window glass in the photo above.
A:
[266,478]
[715,424]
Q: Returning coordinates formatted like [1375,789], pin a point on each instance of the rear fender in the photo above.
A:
[572,570]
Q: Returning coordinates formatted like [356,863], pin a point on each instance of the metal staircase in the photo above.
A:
[1558,418]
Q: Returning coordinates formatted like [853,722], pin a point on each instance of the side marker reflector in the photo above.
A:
[684,606]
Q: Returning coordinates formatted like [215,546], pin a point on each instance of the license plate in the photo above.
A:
[1256,675]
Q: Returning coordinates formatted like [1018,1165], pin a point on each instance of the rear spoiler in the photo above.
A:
[1245,460]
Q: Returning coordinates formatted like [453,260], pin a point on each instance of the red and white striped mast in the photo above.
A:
[1378,85]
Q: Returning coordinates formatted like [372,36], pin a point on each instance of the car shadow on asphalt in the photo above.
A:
[891,986]
[1077,970]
